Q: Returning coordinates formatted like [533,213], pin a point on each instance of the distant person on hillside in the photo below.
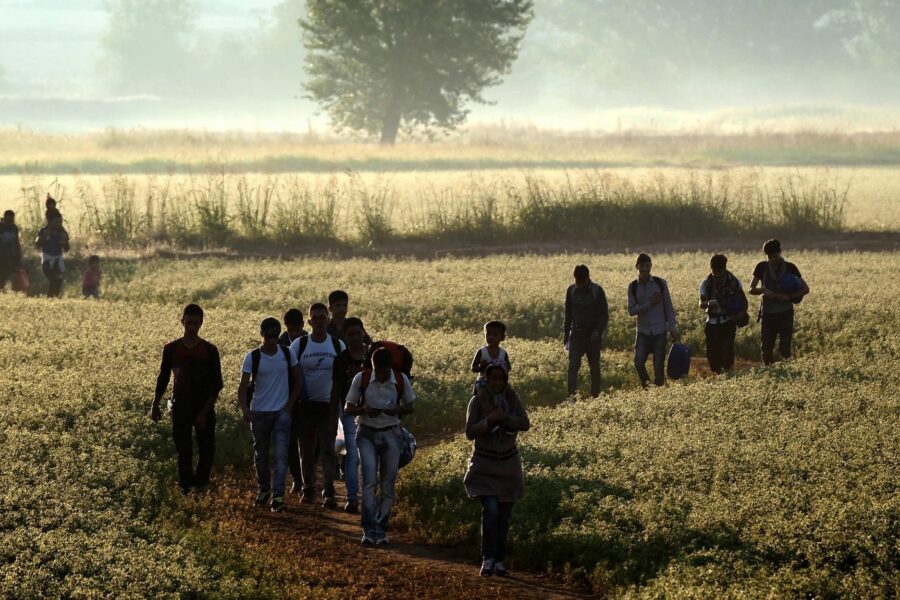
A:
[338,305]
[493,419]
[781,286]
[293,325]
[198,381]
[650,302]
[378,397]
[269,388]
[316,354]
[348,363]
[53,242]
[49,207]
[10,248]
[586,319]
[717,290]
[90,283]
[491,353]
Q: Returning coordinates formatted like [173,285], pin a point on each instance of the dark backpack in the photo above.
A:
[401,357]
[735,304]
[632,291]
[255,357]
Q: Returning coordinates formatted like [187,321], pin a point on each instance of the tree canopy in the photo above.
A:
[379,65]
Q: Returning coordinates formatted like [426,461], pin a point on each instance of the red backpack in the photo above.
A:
[401,358]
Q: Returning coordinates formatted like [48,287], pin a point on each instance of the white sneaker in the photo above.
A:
[487,567]
[570,401]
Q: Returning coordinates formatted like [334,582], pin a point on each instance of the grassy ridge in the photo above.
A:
[342,213]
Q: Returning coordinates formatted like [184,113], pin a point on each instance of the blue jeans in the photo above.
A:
[271,429]
[379,453]
[644,345]
[495,518]
[351,461]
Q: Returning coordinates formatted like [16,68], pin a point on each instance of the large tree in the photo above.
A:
[379,65]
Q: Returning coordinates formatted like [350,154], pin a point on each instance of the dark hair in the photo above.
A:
[353,322]
[268,324]
[496,325]
[581,272]
[93,259]
[293,317]
[771,247]
[642,258]
[382,358]
[49,200]
[718,262]
[52,213]
[495,366]
[338,296]
[8,213]
[192,310]
[317,306]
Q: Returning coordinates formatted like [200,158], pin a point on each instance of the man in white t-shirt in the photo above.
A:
[270,384]
[315,354]
[378,398]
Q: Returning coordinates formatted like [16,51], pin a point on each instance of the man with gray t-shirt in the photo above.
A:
[649,300]
[267,399]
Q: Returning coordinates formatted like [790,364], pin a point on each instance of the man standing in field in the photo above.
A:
[338,305]
[316,354]
[716,290]
[270,384]
[10,248]
[587,315]
[379,397]
[348,363]
[650,302]
[781,286]
[198,380]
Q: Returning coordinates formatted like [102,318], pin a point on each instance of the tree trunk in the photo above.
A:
[390,126]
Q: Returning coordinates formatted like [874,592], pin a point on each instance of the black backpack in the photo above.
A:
[632,291]
[304,342]
[255,357]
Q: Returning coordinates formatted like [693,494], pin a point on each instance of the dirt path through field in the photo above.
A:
[325,551]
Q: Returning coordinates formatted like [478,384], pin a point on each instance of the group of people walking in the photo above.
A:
[722,298]
[52,241]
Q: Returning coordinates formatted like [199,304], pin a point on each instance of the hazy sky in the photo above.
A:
[584,63]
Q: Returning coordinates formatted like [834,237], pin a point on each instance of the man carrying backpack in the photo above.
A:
[378,398]
[267,397]
[587,315]
[198,381]
[650,302]
[316,354]
[722,297]
[781,286]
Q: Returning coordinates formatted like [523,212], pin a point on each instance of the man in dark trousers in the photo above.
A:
[198,381]
[587,315]
[777,310]
[10,248]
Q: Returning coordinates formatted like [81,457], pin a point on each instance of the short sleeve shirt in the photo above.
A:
[774,306]
[317,363]
[272,386]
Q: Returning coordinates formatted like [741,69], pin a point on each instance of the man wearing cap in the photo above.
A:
[270,385]
[777,310]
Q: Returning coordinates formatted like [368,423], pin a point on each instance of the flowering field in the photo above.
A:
[779,481]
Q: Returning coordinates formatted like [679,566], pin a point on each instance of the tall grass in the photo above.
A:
[582,208]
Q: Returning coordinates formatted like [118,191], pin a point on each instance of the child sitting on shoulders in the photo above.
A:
[90,284]
[491,353]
